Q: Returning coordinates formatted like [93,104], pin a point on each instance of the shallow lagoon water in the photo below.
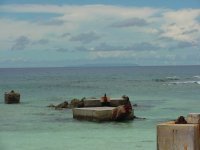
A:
[33,126]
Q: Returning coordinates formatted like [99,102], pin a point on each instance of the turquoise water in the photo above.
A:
[33,126]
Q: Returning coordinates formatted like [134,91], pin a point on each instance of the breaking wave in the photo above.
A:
[186,82]
[196,77]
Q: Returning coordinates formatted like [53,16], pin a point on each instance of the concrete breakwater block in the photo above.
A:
[114,102]
[99,114]
[93,113]
[12,98]
[171,136]
[92,103]
[193,118]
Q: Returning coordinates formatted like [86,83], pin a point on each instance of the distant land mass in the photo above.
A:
[108,65]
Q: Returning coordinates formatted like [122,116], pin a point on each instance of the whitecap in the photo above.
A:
[173,78]
[185,82]
[196,77]
[198,82]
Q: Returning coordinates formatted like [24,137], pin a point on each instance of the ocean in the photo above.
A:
[162,93]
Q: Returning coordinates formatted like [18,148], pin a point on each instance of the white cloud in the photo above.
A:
[180,24]
[111,54]
[74,10]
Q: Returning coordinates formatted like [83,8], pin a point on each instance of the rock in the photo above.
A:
[181,120]
[59,106]
[62,105]
[76,103]
[121,113]
[51,105]
[135,105]
[12,97]
[125,97]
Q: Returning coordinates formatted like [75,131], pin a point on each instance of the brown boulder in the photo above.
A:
[120,113]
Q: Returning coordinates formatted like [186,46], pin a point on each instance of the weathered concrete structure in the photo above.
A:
[116,109]
[114,102]
[11,98]
[171,136]
[93,113]
[193,118]
[91,103]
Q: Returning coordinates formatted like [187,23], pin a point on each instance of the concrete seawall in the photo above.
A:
[93,113]
[171,136]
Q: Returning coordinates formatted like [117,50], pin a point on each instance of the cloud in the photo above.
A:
[183,45]
[85,38]
[81,11]
[62,50]
[41,42]
[181,25]
[65,35]
[130,23]
[144,46]
[81,48]
[21,43]
[107,47]
[53,22]
[191,31]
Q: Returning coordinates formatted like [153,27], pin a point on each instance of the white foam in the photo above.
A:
[196,77]
[185,82]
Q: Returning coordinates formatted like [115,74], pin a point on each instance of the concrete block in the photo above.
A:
[92,103]
[11,98]
[193,118]
[171,136]
[93,113]
[114,102]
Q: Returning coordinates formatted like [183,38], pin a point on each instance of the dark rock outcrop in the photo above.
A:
[122,113]
[181,120]
[59,106]
[76,103]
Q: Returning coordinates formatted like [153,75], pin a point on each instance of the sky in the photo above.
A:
[61,33]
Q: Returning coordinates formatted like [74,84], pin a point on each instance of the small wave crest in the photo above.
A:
[198,77]
[186,82]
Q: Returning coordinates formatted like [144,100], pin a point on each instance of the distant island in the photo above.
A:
[108,65]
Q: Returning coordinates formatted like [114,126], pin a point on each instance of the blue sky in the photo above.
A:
[45,33]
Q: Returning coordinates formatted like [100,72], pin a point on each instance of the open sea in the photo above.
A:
[161,93]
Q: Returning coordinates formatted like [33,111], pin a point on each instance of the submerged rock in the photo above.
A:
[167,79]
[12,97]
[59,106]
[51,105]
[76,103]
[62,105]
[135,105]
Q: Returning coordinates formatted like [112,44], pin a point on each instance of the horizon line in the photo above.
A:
[97,66]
